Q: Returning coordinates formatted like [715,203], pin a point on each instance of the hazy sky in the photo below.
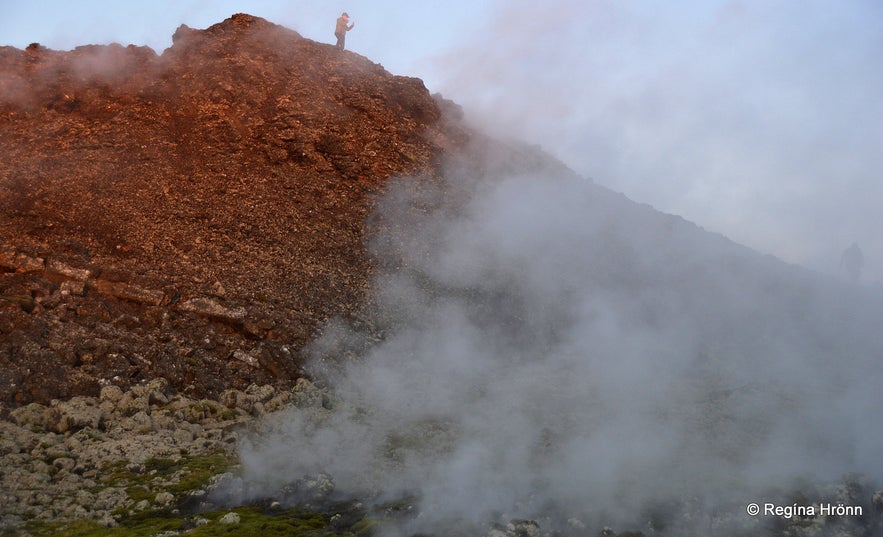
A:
[758,119]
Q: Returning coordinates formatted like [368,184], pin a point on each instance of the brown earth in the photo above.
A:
[195,215]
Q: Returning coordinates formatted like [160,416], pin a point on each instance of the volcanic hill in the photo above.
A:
[537,349]
[195,215]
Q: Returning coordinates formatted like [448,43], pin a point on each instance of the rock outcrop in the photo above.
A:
[194,215]
[125,452]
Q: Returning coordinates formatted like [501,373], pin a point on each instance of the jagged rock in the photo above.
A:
[21,263]
[306,395]
[208,307]
[64,463]
[139,422]
[307,489]
[245,358]
[68,475]
[126,291]
[132,403]
[230,519]
[72,288]
[236,399]
[8,444]
[73,415]
[260,394]
[55,267]
[157,391]
[182,436]
[111,393]
[32,415]
[164,498]
[523,528]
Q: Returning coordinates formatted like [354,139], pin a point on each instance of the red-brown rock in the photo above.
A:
[232,173]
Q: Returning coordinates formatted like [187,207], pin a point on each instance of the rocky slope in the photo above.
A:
[176,229]
[194,215]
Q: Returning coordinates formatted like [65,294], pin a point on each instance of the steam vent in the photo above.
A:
[257,285]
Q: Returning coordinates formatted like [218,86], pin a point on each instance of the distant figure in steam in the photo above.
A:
[341,29]
[852,260]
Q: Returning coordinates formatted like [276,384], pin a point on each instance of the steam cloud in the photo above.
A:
[548,348]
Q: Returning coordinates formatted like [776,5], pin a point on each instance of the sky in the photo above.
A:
[761,120]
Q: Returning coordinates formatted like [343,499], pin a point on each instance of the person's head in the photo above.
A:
[345,15]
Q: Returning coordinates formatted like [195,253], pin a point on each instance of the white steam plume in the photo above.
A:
[551,349]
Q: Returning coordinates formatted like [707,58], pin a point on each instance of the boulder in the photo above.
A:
[70,416]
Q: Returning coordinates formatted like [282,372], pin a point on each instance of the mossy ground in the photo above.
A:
[252,521]
[176,476]
[180,476]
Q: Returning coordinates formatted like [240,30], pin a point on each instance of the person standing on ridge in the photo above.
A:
[852,259]
[341,29]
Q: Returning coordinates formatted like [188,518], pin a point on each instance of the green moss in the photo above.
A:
[74,529]
[253,521]
[185,474]
[149,523]
[228,414]
[195,470]
[138,493]
[207,408]
[134,527]
[192,473]
[364,527]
